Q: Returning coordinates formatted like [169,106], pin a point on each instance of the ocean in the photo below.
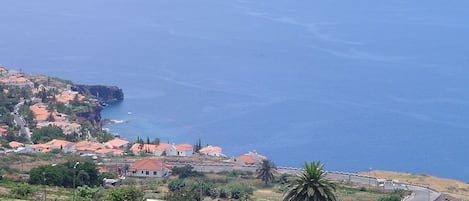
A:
[355,84]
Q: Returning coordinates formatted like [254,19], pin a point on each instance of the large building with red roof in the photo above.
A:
[148,168]
[212,151]
[180,150]
[251,158]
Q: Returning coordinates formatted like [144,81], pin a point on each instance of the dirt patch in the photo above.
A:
[4,190]
[457,189]
[267,194]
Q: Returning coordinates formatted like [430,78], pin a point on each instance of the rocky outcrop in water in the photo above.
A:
[106,94]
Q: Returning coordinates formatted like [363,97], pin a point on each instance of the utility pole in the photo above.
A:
[369,177]
[44,183]
[428,188]
[74,178]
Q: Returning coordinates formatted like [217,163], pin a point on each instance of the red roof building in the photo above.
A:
[251,158]
[148,168]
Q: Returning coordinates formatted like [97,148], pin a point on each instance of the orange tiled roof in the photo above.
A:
[210,149]
[116,143]
[16,80]
[147,164]
[40,111]
[252,157]
[15,144]
[184,147]
[163,147]
[108,151]
[144,148]
[247,159]
[88,146]
[53,144]
[63,143]
[67,96]
[3,130]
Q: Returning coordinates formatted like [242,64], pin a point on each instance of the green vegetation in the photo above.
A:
[104,137]
[185,184]
[266,171]
[397,195]
[311,184]
[66,174]
[125,194]
[47,133]
[186,171]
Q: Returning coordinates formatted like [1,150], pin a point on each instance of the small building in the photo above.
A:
[18,81]
[250,158]
[15,144]
[161,148]
[117,143]
[148,168]
[109,152]
[111,182]
[3,131]
[212,151]
[185,150]
[153,149]
[67,96]
[87,147]
[63,145]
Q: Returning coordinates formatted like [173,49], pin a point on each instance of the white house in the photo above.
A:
[212,151]
[180,150]
[148,168]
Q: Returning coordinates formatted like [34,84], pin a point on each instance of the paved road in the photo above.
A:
[21,123]
[419,193]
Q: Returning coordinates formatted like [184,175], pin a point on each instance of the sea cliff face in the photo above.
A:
[92,116]
[105,94]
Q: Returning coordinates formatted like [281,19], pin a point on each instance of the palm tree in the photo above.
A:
[266,170]
[311,184]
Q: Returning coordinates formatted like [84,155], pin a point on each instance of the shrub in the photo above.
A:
[22,190]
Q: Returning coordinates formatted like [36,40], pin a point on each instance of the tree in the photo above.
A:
[47,133]
[104,137]
[198,146]
[86,173]
[139,140]
[265,171]
[311,184]
[22,189]
[186,171]
[125,194]
[50,117]
[156,141]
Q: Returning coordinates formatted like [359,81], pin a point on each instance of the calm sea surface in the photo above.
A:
[356,84]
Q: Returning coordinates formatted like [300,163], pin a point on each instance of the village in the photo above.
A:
[150,159]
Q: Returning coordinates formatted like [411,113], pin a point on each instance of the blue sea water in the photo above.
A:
[356,84]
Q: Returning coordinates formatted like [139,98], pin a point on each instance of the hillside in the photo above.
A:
[450,187]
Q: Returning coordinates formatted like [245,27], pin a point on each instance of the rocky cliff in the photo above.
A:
[105,94]
[92,114]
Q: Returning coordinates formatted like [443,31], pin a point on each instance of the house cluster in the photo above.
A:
[113,147]
[44,117]
[14,78]
[250,158]
[149,167]
[165,149]
[156,167]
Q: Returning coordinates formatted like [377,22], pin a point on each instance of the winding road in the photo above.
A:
[419,193]
[20,122]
